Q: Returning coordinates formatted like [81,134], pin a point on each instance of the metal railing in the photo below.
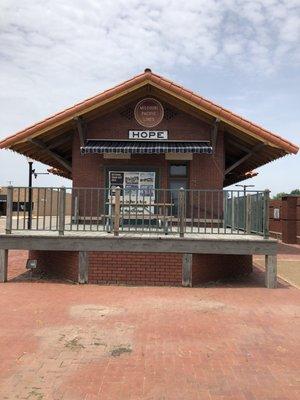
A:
[143,210]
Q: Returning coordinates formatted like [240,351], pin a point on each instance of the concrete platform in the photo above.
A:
[142,242]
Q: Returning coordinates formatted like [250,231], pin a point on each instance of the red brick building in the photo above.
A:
[149,133]
[285,219]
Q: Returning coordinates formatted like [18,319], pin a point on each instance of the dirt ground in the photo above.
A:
[236,341]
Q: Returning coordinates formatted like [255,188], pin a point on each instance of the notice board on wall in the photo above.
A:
[136,186]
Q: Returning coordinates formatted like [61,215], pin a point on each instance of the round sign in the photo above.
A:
[149,112]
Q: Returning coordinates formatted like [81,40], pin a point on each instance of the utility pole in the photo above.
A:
[29,222]
[245,187]
[245,202]
[35,174]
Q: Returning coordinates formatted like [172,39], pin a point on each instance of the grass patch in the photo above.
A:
[34,394]
[74,344]
[116,352]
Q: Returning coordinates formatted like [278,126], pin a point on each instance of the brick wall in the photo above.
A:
[298,220]
[135,268]
[287,227]
[206,171]
[212,267]
[157,269]
[275,224]
[290,219]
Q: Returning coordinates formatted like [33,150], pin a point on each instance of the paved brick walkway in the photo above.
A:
[288,266]
[237,341]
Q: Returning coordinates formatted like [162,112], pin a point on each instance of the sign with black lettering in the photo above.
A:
[276,213]
[149,112]
[148,135]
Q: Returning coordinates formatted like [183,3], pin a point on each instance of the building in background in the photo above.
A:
[285,219]
[44,202]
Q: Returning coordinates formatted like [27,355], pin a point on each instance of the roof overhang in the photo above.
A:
[49,141]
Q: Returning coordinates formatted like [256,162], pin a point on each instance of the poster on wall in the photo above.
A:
[116,179]
[147,184]
[131,187]
[137,187]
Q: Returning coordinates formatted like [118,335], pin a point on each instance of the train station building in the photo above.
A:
[149,164]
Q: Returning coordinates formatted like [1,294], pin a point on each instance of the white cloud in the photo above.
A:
[100,38]
[54,53]
[65,47]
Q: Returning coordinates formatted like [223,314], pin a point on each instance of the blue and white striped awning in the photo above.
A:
[144,147]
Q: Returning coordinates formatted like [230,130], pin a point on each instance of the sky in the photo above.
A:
[244,55]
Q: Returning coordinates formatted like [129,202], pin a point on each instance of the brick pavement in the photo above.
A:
[288,266]
[236,341]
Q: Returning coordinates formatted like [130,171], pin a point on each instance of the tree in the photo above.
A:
[279,195]
[295,191]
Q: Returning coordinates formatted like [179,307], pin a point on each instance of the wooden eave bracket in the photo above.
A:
[81,129]
[255,149]
[51,153]
[214,134]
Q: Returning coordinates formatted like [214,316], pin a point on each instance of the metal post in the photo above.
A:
[117,211]
[245,210]
[266,213]
[248,214]
[9,209]
[3,265]
[76,210]
[181,211]
[29,222]
[224,213]
[61,210]
[232,211]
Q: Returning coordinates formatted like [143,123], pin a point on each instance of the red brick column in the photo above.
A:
[298,220]
[290,214]
[275,224]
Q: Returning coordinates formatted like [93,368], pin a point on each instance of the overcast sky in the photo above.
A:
[244,55]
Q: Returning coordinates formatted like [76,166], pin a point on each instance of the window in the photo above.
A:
[178,170]
[178,178]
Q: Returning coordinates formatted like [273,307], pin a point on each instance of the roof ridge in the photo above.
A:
[56,114]
[208,105]
[223,108]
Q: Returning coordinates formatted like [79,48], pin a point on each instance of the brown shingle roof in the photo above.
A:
[166,85]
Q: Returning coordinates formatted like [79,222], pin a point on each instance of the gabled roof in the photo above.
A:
[63,121]
[149,77]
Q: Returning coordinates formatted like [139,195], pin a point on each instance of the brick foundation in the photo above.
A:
[212,267]
[57,264]
[156,269]
[135,268]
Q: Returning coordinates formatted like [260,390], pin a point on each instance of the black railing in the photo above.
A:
[143,210]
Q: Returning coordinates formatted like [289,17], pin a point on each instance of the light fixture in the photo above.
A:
[31,263]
